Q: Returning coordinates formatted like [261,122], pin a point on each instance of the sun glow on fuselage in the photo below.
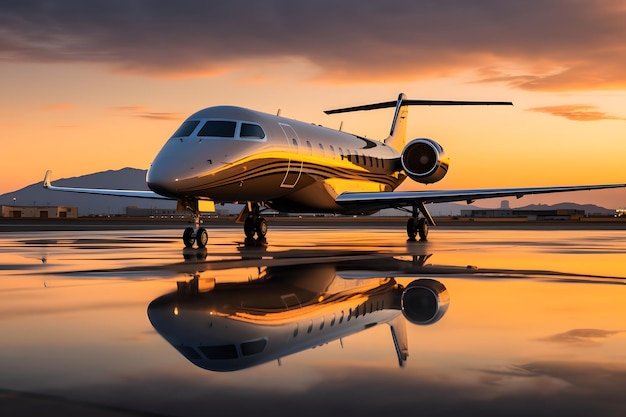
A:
[230,154]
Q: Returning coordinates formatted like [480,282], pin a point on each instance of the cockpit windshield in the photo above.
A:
[186,129]
[221,129]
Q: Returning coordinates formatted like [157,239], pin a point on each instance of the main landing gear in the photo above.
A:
[416,226]
[254,224]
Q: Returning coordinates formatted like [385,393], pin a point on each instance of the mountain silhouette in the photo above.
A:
[89,204]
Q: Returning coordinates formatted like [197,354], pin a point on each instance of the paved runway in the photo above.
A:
[490,320]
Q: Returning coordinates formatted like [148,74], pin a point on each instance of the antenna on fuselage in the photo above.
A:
[278,112]
[341,126]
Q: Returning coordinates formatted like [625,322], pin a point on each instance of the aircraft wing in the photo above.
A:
[101,191]
[370,201]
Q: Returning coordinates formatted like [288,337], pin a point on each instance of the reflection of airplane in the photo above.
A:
[288,309]
[232,154]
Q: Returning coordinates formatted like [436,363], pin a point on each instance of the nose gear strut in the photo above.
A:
[195,234]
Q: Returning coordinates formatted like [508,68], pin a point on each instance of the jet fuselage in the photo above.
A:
[233,154]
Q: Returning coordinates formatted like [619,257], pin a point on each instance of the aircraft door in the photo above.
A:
[294,167]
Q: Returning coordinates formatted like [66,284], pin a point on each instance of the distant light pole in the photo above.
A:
[13,213]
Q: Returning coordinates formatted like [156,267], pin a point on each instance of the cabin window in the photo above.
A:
[218,128]
[332,150]
[371,161]
[253,347]
[295,142]
[186,129]
[308,145]
[219,352]
[250,131]
[188,352]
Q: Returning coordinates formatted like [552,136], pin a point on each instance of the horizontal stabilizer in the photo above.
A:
[388,104]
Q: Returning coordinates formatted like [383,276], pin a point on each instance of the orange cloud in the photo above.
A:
[145,113]
[578,112]
[580,337]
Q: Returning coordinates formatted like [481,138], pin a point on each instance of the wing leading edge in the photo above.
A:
[101,191]
[395,199]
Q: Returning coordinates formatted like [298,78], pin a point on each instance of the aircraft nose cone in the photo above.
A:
[161,181]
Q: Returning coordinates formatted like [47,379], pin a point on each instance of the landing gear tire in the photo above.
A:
[261,227]
[422,229]
[248,227]
[415,227]
[411,228]
[188,237]
[202,237]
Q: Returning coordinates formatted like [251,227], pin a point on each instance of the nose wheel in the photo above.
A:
[195,235]
[198,236]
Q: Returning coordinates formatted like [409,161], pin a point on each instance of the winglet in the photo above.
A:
[46,179]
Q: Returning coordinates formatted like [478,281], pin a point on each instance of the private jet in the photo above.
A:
[229,154]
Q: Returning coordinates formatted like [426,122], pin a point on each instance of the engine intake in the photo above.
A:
[424,160]
[424,301]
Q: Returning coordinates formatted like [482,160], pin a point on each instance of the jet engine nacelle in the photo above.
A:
[424,301]
[424,161]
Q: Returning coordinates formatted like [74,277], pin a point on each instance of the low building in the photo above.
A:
[42,212]
[134,211]
[564,214]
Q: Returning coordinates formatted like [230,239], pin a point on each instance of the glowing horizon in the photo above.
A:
[82,97]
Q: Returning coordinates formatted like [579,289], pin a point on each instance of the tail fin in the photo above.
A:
[397,135]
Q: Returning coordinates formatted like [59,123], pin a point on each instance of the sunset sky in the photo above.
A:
[88,86]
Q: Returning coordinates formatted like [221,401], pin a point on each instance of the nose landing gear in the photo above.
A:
[196,234]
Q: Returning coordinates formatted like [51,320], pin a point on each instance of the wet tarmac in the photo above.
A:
[321,320]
